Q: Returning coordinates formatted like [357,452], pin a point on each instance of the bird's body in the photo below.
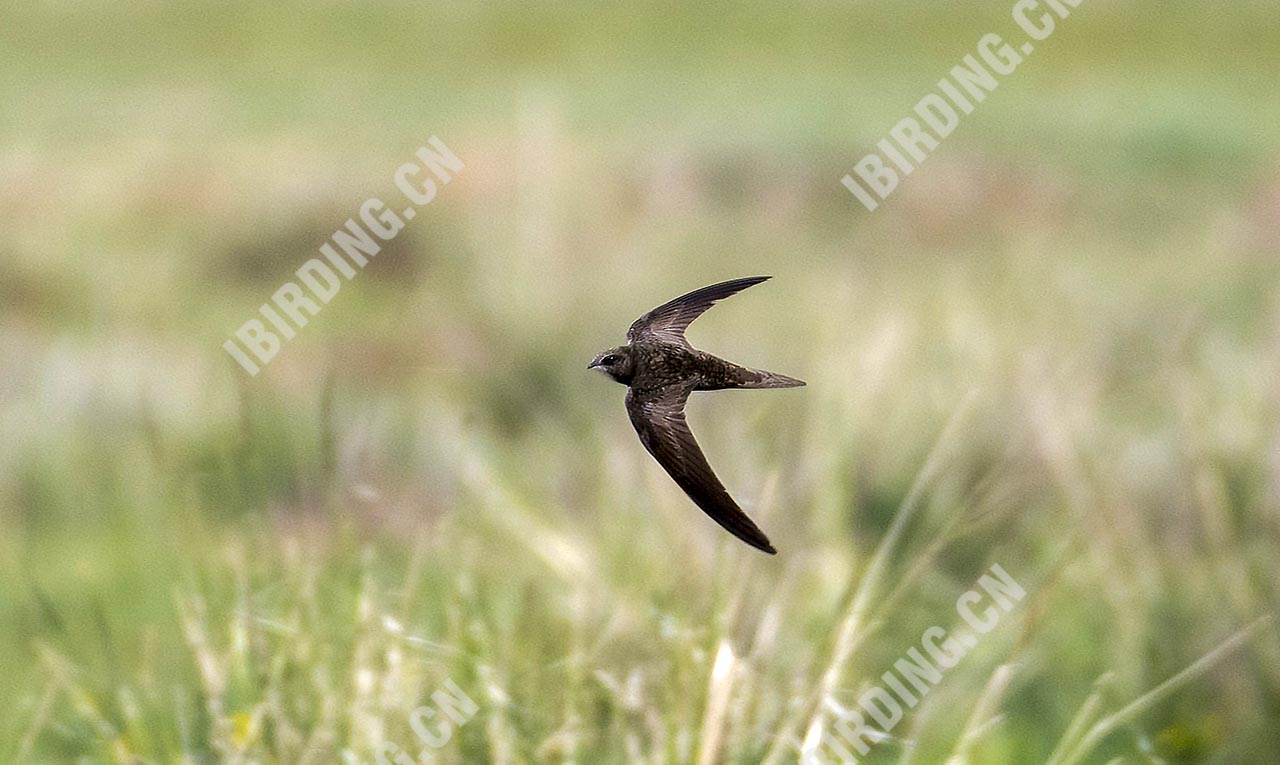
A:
[661,370]
[661,364]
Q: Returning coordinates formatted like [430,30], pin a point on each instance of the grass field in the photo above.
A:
[1054,349]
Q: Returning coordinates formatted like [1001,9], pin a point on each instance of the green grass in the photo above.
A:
[1054,348]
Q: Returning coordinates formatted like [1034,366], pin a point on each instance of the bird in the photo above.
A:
[661,369]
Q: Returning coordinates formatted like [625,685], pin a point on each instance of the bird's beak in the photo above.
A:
[593,365]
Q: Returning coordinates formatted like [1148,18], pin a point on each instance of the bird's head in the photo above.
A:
[618,363]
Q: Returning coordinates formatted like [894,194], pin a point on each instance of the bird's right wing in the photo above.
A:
[659,420]
[669,320]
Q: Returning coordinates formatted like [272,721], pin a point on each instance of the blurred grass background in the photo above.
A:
[200,567]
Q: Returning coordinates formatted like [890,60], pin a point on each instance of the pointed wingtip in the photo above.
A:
[758,541]
[745,530]
[742,283]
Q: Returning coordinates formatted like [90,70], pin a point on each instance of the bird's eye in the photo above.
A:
[611,359]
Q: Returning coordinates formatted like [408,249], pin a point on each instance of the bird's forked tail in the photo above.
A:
[758,378]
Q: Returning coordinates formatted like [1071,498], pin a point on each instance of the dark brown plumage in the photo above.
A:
[661,370]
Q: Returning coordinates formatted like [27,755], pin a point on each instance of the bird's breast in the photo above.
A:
[659,365]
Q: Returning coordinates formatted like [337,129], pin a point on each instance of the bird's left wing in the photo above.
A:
[659,420]
[669,320]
